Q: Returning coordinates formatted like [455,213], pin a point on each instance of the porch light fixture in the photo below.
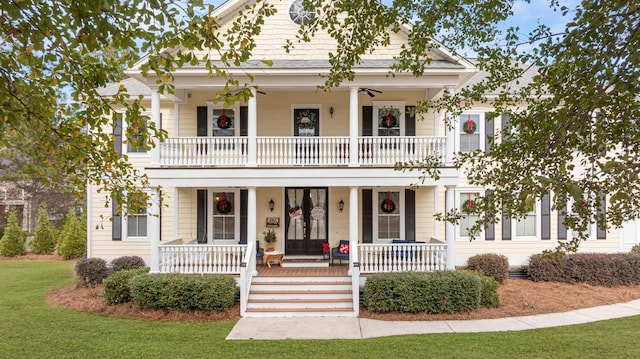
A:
[341,205]
[331,111]
[271,205]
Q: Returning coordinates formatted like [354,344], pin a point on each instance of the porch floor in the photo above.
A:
[277,271]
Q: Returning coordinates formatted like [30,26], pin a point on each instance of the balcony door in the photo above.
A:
[306,223]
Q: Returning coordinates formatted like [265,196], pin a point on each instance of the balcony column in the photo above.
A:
[353,127]
[251,214]
[451,134]
[155,120]
[153,229]
[449,231]
[252,130]
[353,224]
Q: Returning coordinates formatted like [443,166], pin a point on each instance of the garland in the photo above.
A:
[469,126]
[223,206]
[224,121]
[387,205]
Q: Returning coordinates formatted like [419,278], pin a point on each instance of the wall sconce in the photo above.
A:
[331,111]
[271,205]
[341,205]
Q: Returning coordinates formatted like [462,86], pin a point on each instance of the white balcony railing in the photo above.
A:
[298,151]
[420,257]
[201,258]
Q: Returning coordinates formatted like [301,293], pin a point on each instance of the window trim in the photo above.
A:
[538,236]
[125,225]
[211,213]
[375,215]
[236,114]
[125,146]
[480,129]
[311,106]
[457,203]
[376,105]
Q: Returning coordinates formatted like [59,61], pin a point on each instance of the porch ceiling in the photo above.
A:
[283,177]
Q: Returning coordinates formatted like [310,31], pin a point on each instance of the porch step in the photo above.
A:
[305,261]
[300,296]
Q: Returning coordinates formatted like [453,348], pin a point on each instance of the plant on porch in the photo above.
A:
[270,238]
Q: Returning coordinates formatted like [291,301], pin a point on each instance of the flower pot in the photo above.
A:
[271,246]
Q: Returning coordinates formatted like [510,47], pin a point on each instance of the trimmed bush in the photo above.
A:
[489,264]
[635,249]
[127,262]
[183,292]
[489,296]
[606,270]
[73,238]
[117,288]
[13,239]
[91,271]
[432,292]
[44,239]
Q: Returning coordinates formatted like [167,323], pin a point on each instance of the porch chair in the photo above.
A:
[341,252]
[259,251]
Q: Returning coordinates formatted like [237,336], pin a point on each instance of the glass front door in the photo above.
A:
[306,221]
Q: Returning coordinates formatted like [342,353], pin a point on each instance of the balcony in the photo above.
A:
[297,151]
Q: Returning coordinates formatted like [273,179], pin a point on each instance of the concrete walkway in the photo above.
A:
[360,328]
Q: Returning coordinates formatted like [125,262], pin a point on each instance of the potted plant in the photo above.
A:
[270,239]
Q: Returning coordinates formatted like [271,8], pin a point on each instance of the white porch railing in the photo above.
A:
[421,257]
[247,271]
[201,258]
[298,151]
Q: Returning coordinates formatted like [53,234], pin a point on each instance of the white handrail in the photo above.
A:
[247,271]
[201,258]
[420,257]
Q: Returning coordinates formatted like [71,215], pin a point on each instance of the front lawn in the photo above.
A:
[29,328]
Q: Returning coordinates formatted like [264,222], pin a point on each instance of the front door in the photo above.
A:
[306,221]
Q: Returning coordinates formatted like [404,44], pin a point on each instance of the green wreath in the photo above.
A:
[223,206]
[224,122]
[467,206]
[469,126]
[388,206]
[306,119]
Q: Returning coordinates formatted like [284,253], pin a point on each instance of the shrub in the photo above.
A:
[127,262]
[13,239]
[73,239]
[489,264]
[607,270]
[44,239]
[91,271]
[183,292]
[635,249]
[432,292]
[489,295]
[117,288]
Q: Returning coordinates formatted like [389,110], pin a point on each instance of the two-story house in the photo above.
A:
[316,167]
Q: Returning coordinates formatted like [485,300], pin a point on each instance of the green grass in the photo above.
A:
[29,328]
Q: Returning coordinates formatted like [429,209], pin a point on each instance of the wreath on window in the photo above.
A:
[295,211]
[387,205]
[224,206]
[224,121]
[469,126]
[389,117]
[467,206]
[306,119]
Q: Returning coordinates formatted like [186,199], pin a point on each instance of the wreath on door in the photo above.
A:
[224,206]
[388,205]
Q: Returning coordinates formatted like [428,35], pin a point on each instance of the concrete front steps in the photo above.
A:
[300,297]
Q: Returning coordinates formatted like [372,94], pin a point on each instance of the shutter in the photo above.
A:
[490,227]
[201,216]
[506,226]
[546,217]
[116,228]
[117,132]
[562,230]
[244,121]
[410,215]
[506,124]
[601,233]
[409,121]
[367,216]
[244,210]
[202,121]
[489,132]
[367,120]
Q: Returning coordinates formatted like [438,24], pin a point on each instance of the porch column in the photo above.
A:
[451,134]
[251,214]
[449,231]
[252,131]
[153,229]
[353,224]
[155,119]
[353,127]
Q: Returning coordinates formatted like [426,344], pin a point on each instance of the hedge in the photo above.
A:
[127,262]
[431,292]
[490,264]
[606,270]
[91,271]
[183,292]
[117,288]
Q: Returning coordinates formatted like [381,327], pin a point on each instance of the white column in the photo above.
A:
[153,229]
[155,119]
[252,130]
[251,215]
[176,213]
[436,209]
[450,228]
[451,135]
[353,127]
[353,223]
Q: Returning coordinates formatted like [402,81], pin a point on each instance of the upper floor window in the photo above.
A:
[137,141]
[388,118]
[298,14]
[223,123]
[470,127]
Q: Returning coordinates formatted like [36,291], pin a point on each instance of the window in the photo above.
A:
[223,123]
[137,140]
[466,203]
[470,126]
[223,221]
[388,118]
[298,14]
[137,218]
[389,215]
[529,227]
